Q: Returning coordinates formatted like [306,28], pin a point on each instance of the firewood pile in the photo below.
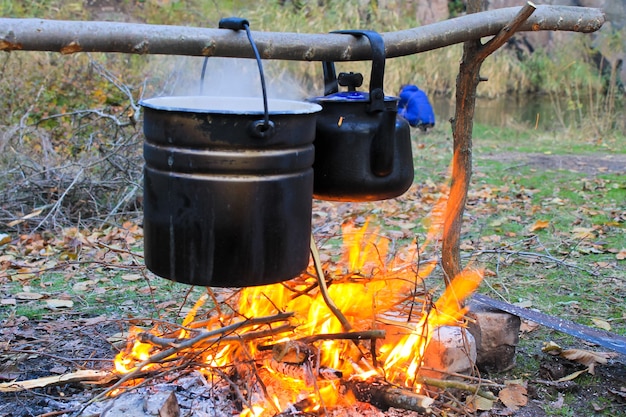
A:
[309,346]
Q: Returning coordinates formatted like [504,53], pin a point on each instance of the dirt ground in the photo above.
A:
[61,343]
[588,164]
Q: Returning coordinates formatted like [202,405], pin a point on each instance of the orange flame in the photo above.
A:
[125,361]
[373,294]
[405,358]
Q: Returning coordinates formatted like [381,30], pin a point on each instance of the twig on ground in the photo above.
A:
[60,200]
[60,266]
[383,395]
[58,357]
[534,255]
[450,383]
[235,388]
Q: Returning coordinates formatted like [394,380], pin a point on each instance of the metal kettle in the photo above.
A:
[362,149]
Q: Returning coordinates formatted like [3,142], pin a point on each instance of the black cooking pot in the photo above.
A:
[227,200]
[362,149]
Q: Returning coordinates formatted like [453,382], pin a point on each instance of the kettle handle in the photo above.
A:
[382,151]
[331,86]
[377,95]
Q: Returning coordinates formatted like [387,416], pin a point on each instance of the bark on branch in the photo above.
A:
[474,54]
[75,36]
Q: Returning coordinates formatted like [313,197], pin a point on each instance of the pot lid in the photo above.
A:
[229,105]
[350,97]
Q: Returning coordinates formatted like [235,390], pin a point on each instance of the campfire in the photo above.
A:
[346,331]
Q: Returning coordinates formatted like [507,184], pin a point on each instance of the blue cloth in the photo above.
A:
[415,107]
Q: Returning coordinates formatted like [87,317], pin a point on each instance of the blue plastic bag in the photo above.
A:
[415,107]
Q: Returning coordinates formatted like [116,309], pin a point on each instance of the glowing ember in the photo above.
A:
[287,338]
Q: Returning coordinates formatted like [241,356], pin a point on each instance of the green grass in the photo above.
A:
[575,273]
[553,141]
[111,292]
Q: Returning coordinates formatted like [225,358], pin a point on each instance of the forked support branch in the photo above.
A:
[69,37]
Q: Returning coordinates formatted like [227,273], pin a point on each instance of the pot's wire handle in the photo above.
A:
[261,128]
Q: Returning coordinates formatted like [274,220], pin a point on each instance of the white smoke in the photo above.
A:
[229,77]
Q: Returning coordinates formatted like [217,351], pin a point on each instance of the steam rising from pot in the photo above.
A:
[231,77]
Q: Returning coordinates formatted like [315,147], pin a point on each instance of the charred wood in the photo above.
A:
[384,396]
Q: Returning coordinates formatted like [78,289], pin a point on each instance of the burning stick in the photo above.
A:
[174,342]
[324,289]
[188,343]
[362,335]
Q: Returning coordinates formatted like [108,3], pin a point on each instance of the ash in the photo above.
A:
[194,396]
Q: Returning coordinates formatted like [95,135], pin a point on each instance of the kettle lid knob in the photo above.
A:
[352,80]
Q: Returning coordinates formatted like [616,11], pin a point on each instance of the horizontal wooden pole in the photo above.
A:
[85,36]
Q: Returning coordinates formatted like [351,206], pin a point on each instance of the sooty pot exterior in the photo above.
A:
[223,206]
[361,155]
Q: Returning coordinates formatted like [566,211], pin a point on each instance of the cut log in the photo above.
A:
[384,396]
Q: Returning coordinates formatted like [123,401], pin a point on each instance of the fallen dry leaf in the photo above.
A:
[4,238]
[539,225]
[480,403]
[95,320]
[558,403]
[466,247]
[55,303]
[621,255]
[551,348]
[583,232]
[572,376]
[132,277]
[84,285]
[28,295]
[524,304]
[597,407]
[513,396]
[166,304]
[528,326]
[602,324]
[587,357]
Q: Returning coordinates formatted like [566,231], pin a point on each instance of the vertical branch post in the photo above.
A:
[474,54]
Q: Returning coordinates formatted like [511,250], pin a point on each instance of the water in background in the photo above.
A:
[539,111]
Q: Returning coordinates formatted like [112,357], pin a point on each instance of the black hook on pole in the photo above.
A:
[238,23]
